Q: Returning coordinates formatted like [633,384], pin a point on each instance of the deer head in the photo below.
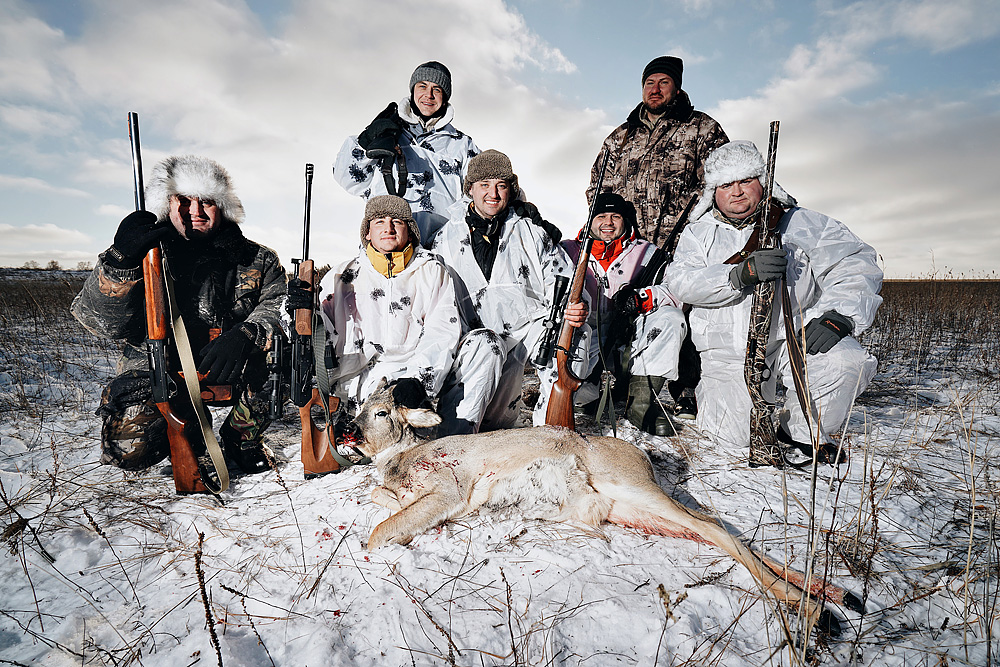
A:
[390,415]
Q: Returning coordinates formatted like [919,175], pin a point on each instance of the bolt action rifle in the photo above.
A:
[560,408]
[312,358]
[166,339]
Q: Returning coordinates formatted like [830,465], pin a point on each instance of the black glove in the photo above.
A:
[223,359]
[761,266]
[136,235]
[299,296]
[626,302]
[380,137]
[826,331]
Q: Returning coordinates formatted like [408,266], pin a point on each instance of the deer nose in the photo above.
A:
[347,433]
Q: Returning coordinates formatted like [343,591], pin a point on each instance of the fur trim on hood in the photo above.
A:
[192,176]
[735,161]
[408,115]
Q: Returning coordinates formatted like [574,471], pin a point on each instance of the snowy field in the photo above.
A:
[101,567]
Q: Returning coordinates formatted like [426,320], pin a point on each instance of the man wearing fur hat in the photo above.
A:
[833,281]
[391,313]
[641,327]
[657,161]
[505,258]
[425,156]
[224,283]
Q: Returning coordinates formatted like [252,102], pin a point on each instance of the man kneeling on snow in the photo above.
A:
[224,283]
[391,313]
[833,283]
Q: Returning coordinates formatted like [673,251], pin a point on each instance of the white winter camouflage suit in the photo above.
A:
[437,158]
[408,326]
[513,304]
[829,268]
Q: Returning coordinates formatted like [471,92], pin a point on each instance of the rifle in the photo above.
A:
[560,408]
[764,448]
[159,327]
[552,322]
[277,363]
[310,357]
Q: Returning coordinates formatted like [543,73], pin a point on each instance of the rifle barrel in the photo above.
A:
[307,216]
[133,135]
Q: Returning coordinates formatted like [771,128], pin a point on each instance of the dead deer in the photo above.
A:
[548,473]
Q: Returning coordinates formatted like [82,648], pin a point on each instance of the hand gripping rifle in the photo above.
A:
[165,329]
[312,357]
[560,408]
[764,448]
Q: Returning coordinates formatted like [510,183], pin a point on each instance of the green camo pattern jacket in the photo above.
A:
[659,170]
[219,283]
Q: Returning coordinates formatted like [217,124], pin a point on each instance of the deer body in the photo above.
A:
[546,472]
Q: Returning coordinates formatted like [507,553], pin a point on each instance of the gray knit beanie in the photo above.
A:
[491,164]
[434,72]
[389,206]
[192,176]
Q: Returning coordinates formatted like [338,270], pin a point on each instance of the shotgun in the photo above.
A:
[301,335]
[560,408]
[764,448]
[159,339]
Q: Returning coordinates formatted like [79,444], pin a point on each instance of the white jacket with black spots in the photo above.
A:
[437,158]
[829,268]
[404,326]
[516,299]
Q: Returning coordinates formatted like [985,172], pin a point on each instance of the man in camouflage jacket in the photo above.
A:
[656,160]
[223,282]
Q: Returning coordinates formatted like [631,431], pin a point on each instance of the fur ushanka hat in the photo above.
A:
[491,164]
[389,206]
[192,176]
[735,161]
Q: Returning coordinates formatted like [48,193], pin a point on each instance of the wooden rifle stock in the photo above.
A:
[560,408]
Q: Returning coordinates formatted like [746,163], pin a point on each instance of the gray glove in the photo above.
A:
[824,332]
[760,267]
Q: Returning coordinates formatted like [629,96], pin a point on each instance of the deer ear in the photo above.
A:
[382,384]
[420,417]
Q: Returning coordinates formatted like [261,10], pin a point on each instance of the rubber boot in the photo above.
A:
[644,410]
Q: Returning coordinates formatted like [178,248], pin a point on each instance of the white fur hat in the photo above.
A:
[735,161]
[192,176]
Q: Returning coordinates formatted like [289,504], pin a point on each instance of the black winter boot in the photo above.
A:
[644,410]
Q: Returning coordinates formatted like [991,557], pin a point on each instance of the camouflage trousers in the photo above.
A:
[134,433]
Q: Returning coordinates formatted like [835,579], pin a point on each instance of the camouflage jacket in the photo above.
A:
[659,170]
[219,283]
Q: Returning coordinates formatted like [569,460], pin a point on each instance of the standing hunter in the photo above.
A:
[223,281]
[657,162]
[412,150]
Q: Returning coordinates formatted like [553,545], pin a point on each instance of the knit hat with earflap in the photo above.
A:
[389,206]
[491,164]
[192,176]
[610,202]
[434,72]
[735,161]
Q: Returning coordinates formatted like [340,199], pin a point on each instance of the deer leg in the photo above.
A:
[423,514]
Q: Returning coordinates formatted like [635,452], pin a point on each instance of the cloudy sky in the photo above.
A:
[890,111]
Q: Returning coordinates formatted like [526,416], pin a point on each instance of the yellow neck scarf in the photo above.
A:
[392,263]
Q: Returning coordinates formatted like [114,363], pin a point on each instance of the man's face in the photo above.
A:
[388,234]
[428,96]
[490,196]
[194,218]
[739,199]
[607,226]
[658,90]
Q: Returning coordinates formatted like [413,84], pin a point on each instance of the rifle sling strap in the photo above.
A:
[194,387]
[401,170]
[753,243]
[323,385]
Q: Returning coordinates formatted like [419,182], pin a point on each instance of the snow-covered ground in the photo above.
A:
[102,567]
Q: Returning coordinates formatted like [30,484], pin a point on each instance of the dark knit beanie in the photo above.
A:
[388,206]
[434,72]
[672,66]
[609,202]
[491,164]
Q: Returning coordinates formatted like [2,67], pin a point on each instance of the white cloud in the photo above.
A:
[30,184]
[31,236]
[35,121]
